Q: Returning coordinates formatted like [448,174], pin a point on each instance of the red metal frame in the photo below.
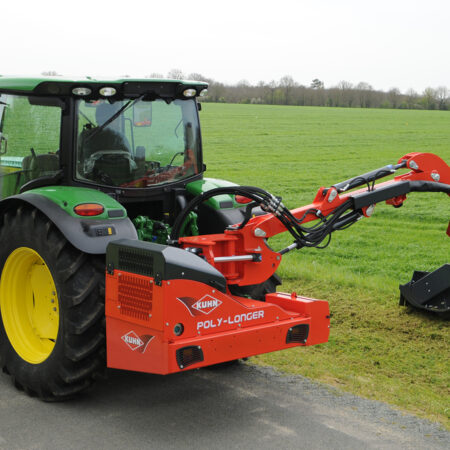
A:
[226,327]
[143,316]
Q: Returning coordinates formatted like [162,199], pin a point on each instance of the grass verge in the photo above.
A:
[377,349]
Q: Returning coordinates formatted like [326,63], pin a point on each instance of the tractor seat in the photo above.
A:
[36,166]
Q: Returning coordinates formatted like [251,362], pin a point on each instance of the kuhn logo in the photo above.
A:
[207,304]
[198,307]
[135,342]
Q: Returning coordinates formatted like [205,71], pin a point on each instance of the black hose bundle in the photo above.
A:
[303,236]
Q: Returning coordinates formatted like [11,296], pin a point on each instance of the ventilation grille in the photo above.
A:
[297,334]
[136,261]
[135,297]
[187,356]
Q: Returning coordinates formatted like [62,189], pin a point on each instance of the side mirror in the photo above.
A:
[5,140]
[142,114]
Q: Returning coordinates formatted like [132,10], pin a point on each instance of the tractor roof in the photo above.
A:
[56,85]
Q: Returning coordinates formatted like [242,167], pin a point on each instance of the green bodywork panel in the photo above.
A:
[200,186]
[67,197]
[159,232]
[29,84]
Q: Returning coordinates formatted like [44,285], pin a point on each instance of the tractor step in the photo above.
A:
[428,290]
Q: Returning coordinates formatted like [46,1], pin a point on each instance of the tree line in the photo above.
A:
[287,91]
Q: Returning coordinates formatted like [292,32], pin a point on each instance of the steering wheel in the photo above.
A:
[92,168]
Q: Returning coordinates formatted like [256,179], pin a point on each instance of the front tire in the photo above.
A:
[52,338]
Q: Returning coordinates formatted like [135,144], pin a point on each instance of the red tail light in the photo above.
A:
[89,209]
[241,199]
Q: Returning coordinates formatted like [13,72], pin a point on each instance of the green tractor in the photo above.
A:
[84,163]
[116,252]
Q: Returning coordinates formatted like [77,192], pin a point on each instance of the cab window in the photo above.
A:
[30,140]
[137,143]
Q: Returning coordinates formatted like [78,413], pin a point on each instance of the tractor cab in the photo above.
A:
[122,137]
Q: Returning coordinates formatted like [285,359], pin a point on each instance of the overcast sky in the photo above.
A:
[395,43]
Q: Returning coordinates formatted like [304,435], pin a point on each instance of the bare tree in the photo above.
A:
[287,83]
[272,87]
[198,77]
[429,100]
[216,92]
[347,96]
[155,75]
[442,95]
[175,74]
[394,97]
[364,94]
[411,98]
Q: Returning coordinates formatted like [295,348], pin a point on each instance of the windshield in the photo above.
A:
[147,143]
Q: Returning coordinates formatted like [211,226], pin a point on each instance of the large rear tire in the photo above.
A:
[257,291]
[52,338]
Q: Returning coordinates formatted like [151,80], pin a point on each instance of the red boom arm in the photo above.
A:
[242,255]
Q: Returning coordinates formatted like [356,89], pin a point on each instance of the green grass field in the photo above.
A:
[377,349]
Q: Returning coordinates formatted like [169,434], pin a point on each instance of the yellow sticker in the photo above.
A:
[109,230]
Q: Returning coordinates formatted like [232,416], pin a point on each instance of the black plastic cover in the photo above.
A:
[396,189]
[380,194]
[162,262]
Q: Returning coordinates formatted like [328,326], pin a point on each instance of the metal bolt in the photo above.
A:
[198,346]
[436,177]
[259,233]
[213,291]
[52,300]
[278,318]
[168,283]
[332,195]
[151,281]
[54,309]
[181,367]
[278,257]
[118,306]
[182,274]
[239,325]
[149,315]
[119,274]
[290,329]
[53,293]
[370,209]
[167,324]
[413,165]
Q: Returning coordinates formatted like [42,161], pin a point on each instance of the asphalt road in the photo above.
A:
[239,407]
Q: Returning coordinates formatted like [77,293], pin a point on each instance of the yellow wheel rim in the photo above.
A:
[29,305]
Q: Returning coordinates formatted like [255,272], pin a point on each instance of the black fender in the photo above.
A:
[87,235]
